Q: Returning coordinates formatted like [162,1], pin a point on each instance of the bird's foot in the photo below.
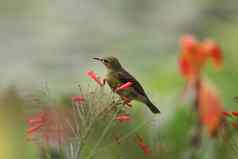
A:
[104,82]
[128,104]
[126,101]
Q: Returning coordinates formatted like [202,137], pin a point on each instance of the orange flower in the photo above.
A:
[210,108]
[215,52]
[188,43]
[93,76]
[186,68]
[194,55]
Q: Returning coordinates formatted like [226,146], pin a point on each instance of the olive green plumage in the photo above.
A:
[117,76]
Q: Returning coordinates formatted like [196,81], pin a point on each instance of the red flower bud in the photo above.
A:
[78,99]
[123,118]
[144,147]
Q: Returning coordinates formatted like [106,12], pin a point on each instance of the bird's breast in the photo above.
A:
[112,81]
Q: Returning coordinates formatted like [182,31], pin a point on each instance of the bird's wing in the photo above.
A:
[125,77]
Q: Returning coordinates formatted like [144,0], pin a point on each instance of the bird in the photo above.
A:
[117,76]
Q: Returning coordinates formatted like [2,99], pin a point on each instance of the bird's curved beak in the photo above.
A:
[98,59]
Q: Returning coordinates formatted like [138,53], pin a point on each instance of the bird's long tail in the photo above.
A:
[152,107]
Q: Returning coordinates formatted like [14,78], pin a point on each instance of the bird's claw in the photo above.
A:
[126,101]
[128,104]
[104,81]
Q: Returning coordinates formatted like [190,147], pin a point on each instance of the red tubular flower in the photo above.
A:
[36,123]
[144,147]
[93,76]
[123,118]
[124,86]
[235,114]
[34,128]
[38,119]
[78,99]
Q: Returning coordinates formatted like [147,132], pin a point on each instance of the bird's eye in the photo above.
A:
[106,61]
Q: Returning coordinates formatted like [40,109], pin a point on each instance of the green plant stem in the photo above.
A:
[102,136]
[127,135]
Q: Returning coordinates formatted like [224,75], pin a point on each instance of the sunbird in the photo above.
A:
[117,76]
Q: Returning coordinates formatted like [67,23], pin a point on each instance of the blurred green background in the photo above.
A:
[52,42]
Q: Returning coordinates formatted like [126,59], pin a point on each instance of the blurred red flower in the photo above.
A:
[210,108]
[123,118]
[36,122]
[38,119]
[144,147]
[47,125]
[194,55]
[94,76]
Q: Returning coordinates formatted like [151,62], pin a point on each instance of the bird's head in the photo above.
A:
[111,63]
